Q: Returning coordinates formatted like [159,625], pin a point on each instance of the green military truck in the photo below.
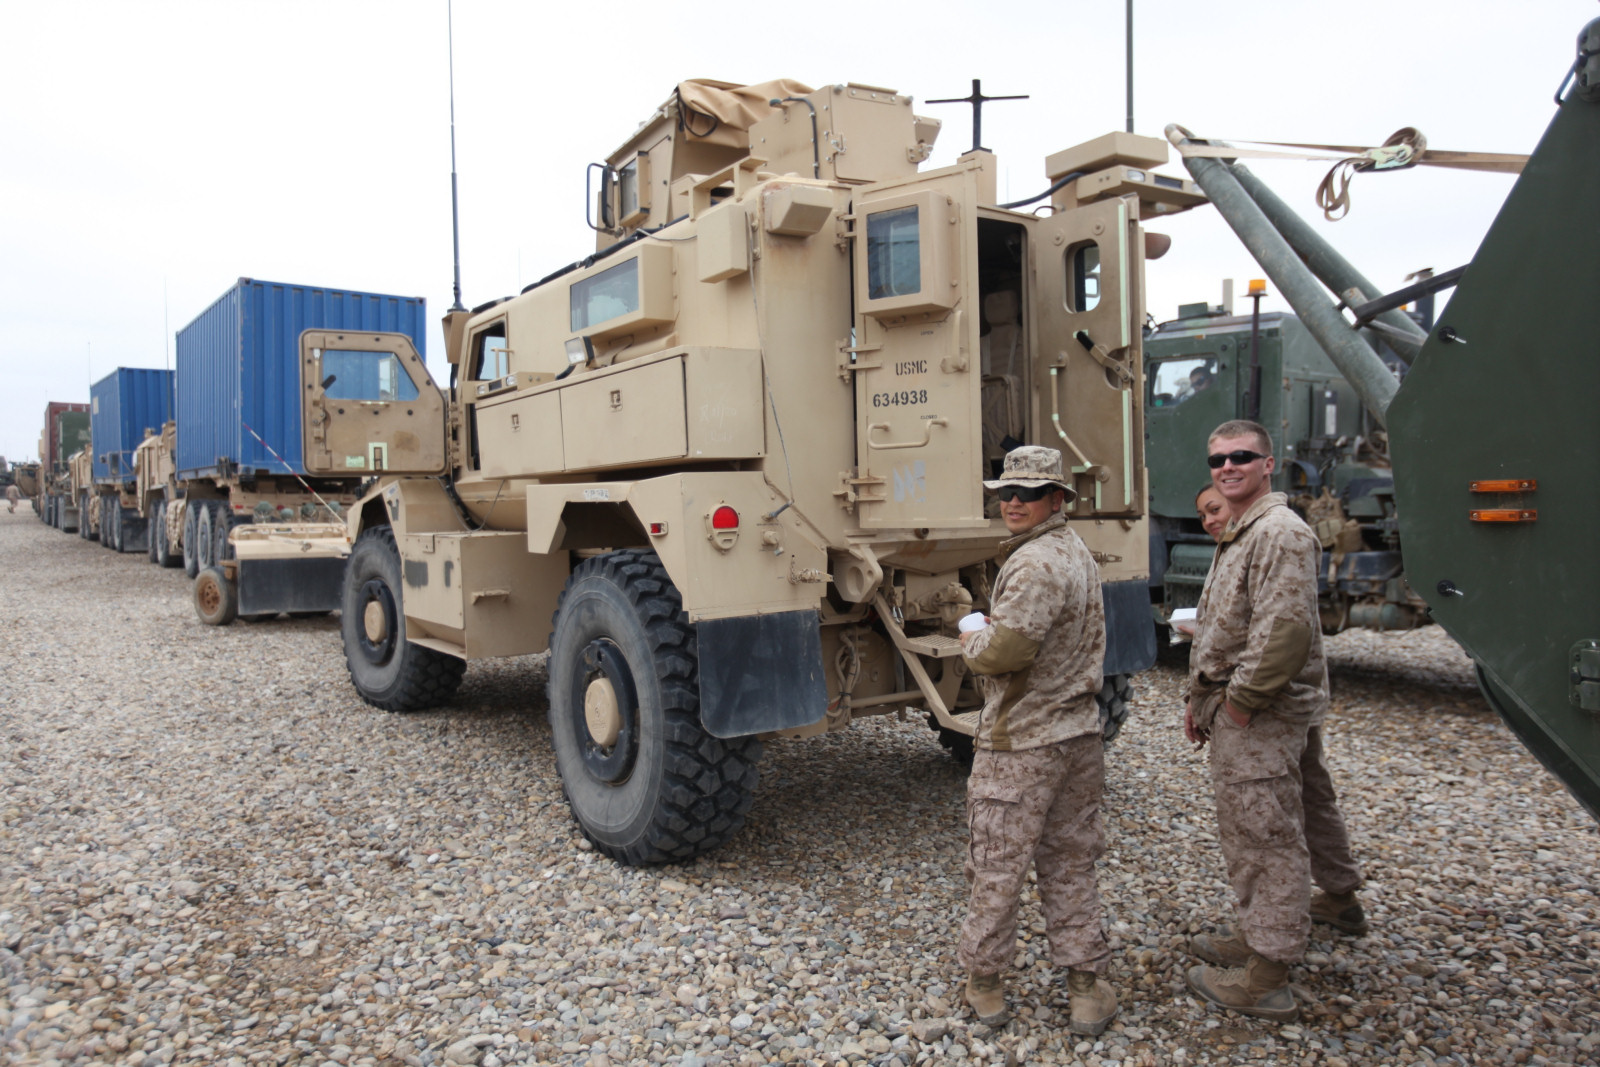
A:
[1208,366]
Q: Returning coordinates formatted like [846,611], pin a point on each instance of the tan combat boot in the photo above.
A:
[987,998]
[1094,1003]
[1223,949]
[1342,911]
[1259,988]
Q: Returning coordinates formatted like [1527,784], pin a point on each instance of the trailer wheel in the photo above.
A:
[111,516]
[202,535]
[215,599]
[191,538]
[646,782]
[1116,693]
[152,542]
[223,524]
[85,529]
[387,670]
[165,557]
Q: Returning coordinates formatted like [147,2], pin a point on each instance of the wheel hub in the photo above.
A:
[379,622]
[600,712]
[210,596]
[374,622]
[603,687]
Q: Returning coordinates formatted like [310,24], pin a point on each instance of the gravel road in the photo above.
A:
[212,852]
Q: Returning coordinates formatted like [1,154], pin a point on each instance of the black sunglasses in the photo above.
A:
[1026,495]
[1238,458]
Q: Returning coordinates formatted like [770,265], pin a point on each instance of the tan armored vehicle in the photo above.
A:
[80,469]
[735,454]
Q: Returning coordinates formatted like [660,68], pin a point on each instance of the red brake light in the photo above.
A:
[724,518]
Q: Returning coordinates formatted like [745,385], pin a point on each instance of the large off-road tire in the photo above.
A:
[387,670]
[1116,693]
[222,524]
[164,557]
[191,538]
[152,543]
[215,599]
[204,541]
[111,518]
[646,782]
[85,527]
[959,745]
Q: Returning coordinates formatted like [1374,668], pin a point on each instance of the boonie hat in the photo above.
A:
[1030,467]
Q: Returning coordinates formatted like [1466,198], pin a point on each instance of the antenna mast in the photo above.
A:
[455,216]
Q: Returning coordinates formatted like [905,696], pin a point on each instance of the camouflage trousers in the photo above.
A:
[1040,805]
[1279,824]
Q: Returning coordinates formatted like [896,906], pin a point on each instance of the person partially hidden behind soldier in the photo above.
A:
[1038,771]
[1258,690]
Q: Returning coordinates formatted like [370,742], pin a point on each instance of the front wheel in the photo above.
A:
[646,782]
[387,670]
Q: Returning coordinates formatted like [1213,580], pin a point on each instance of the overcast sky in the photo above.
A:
[155,152]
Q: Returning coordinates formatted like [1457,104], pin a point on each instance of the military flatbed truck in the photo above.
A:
[726,470]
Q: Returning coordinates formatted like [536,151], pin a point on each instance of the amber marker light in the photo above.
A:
[1257,285]
[1505,485]
[1504,515]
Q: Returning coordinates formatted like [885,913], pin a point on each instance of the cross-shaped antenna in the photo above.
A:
[977,100]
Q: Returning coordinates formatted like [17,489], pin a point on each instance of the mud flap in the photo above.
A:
[268,586]
[761,672]
[1130,633]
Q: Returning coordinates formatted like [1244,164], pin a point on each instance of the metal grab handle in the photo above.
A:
[927,435]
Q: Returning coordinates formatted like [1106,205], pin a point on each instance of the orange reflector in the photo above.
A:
[1505,515]
[1258,285]
[724,518]
[1505,485]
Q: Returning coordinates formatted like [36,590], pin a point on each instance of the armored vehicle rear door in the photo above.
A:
[1087,307]
[918,430]
[369,406]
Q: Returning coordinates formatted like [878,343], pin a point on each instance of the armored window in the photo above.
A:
[359,375]
[1172,381]
[1083,277]
[491,358]
[894,254]
[611,293]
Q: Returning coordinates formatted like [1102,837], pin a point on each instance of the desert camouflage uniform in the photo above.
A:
[1259,645]
[1038,772]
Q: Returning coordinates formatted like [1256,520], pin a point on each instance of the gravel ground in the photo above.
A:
[212,852]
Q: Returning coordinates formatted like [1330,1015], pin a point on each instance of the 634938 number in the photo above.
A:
[901,399]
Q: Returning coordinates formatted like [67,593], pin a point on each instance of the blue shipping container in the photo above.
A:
[239,365]
[122,406]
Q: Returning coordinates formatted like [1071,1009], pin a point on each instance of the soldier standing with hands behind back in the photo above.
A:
[1258,690]
[1038,771]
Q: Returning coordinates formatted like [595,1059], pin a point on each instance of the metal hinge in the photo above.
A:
[1584,676]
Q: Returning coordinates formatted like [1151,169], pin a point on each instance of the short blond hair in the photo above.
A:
[1244,428]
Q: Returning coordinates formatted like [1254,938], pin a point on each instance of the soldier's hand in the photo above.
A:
[1191,731]
[1240,719]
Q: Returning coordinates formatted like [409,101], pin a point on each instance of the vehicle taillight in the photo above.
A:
[724,518]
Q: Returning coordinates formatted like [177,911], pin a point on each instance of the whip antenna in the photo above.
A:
[455,216]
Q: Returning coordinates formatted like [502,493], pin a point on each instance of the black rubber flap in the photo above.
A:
[761,673]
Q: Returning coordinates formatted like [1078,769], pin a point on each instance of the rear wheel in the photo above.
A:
[162,540]
[1116,693]
[215,599]
[646,782]
[223,523]
[85,527]
[191,538]
[204,542]
[111,514]
[387,670]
